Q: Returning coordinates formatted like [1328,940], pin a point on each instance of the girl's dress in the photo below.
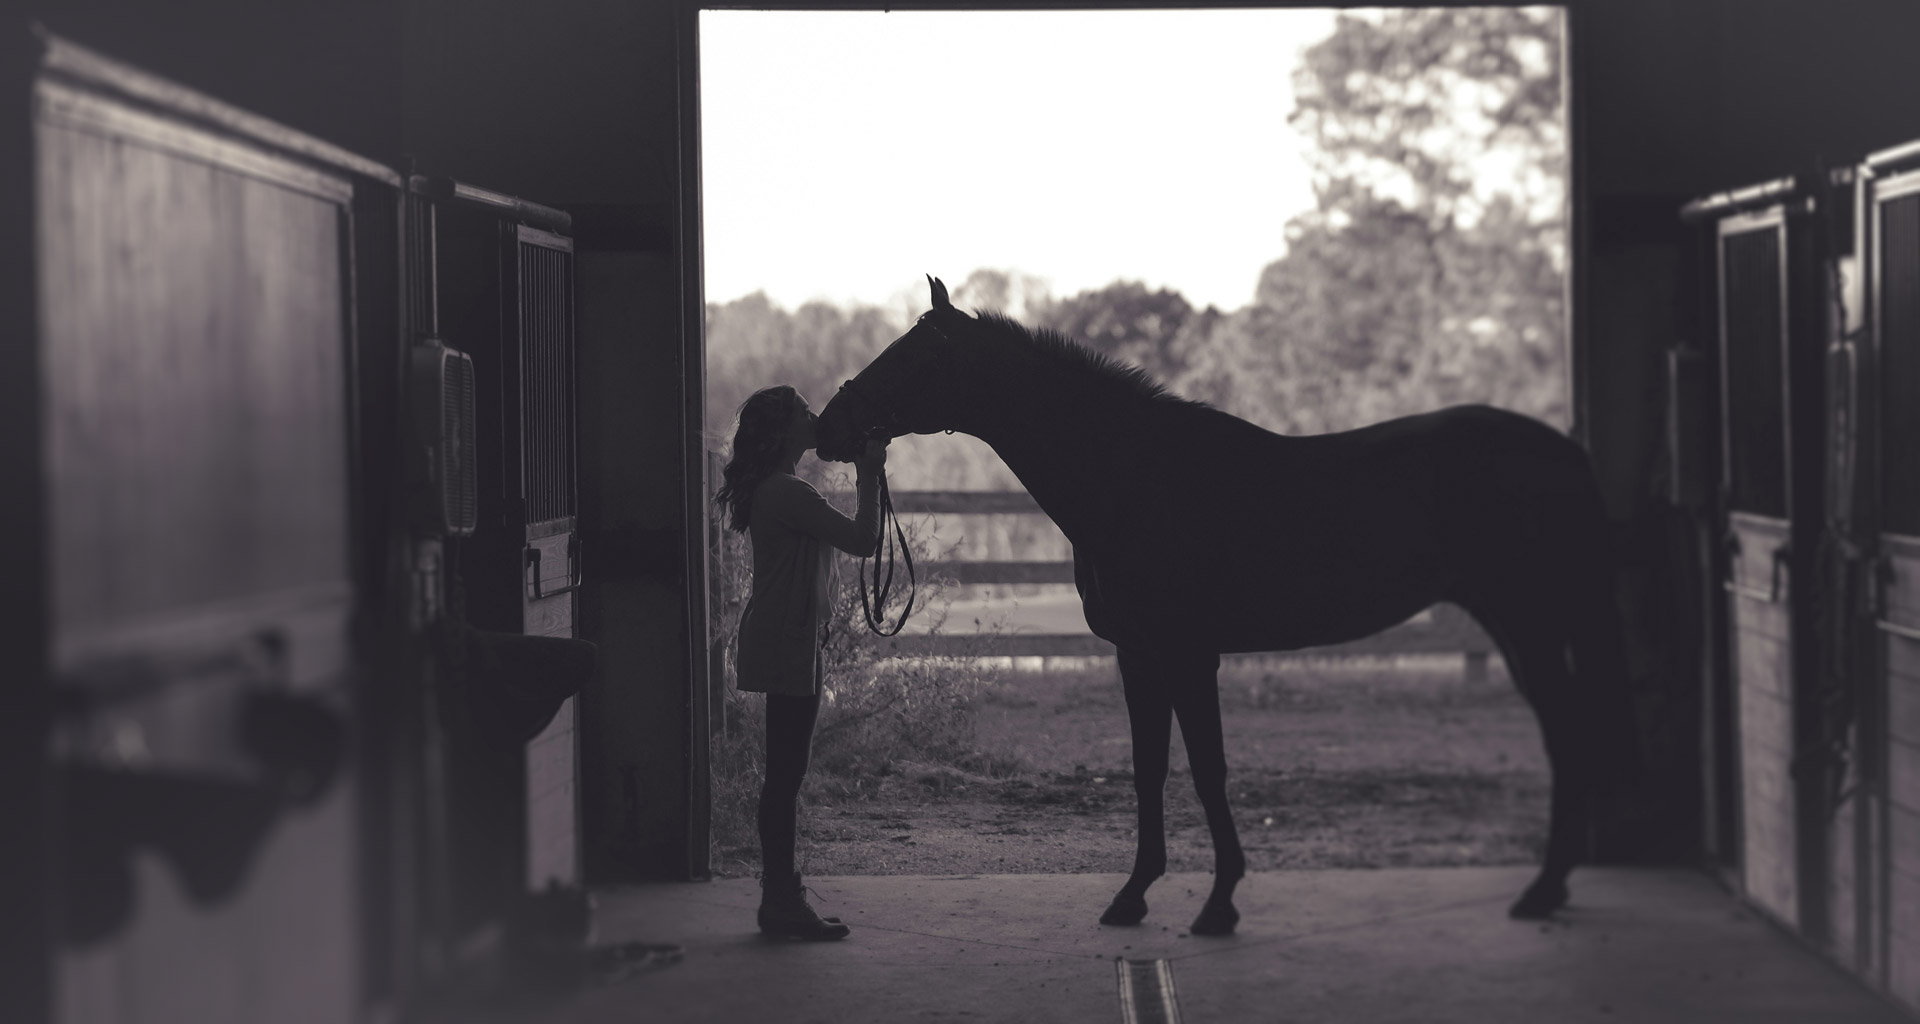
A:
[794,531]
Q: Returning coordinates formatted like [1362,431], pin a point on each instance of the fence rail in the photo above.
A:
[977,502]
[1442,629]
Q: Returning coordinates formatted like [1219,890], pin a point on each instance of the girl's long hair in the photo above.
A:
[759,444]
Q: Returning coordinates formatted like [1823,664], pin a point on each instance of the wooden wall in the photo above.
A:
[195,331]
[1902,872]
[634,742]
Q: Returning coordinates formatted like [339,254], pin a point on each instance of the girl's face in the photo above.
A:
[801,430]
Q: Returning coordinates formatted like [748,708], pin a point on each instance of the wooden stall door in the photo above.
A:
[543,270]
[503,293]
[1890,726]
[1755,445]
[194,335]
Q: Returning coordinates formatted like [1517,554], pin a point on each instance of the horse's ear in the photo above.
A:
[940,300]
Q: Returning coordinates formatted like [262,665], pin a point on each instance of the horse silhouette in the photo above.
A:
[1196,534]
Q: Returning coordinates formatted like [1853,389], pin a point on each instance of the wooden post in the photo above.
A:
[717,569]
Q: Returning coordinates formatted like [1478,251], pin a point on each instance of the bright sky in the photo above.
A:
[846,154]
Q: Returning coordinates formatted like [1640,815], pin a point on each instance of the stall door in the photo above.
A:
[501,291]
[1756,453]
[194,335]
[1890,723]
[543,271]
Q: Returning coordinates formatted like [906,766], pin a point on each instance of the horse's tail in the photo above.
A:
[1601,672]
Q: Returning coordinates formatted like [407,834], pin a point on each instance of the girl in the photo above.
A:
[793,531]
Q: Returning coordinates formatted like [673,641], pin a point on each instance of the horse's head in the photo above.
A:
[905,390]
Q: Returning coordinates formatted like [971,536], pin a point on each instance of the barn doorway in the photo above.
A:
[1312,219]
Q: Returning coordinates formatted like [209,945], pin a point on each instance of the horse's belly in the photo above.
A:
[1318,624]
[1231,609]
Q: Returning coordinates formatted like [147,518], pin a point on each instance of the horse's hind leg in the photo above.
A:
[1197,701]
[1540,668]
[1150,713]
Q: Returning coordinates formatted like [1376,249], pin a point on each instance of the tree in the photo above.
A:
[753,343]
[1415,103]
[1018,295]
[1422,278]
[1129,323]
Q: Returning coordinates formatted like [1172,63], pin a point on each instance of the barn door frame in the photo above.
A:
[27,869]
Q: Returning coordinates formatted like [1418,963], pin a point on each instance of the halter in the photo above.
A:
[874,610]
[892,422]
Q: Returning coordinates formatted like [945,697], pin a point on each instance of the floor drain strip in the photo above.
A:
[1147,994]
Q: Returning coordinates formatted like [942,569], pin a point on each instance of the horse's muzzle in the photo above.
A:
[833,445]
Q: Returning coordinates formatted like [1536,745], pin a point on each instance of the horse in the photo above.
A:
[1196,534]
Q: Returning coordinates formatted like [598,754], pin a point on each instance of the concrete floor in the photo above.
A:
[1428,945]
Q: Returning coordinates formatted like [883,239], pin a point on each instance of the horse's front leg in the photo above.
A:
[1150,713]
[1197,701]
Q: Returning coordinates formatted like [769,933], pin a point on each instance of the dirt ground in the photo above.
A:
[1331,766]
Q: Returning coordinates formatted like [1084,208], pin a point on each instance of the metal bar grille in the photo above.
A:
[1900,362]
[547,386]
[1755,351]
[422,302]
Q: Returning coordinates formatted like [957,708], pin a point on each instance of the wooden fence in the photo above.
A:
[1442,629]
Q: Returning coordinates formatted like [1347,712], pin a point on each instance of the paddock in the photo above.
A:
[357,376]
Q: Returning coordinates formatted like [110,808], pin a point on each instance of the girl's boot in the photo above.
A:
[785,913]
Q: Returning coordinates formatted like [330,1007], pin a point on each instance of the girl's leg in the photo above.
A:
[784,911]
[789,746]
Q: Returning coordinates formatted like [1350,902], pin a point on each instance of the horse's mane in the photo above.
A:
[1063,350]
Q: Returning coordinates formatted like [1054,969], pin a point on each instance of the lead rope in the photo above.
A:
[875,611]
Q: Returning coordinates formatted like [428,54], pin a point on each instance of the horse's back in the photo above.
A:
[1492,433]
[1278,542]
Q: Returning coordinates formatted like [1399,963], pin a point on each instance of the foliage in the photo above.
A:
[1130,323]
[1413,104]
[1018,295]
[1421,280]
[1381,319]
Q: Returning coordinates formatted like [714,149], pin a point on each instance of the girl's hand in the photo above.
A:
[874,458]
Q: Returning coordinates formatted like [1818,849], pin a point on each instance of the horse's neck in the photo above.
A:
[1067,452]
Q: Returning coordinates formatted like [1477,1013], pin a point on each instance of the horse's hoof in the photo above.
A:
[1126,908]
[1539,902]
[1215,919]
